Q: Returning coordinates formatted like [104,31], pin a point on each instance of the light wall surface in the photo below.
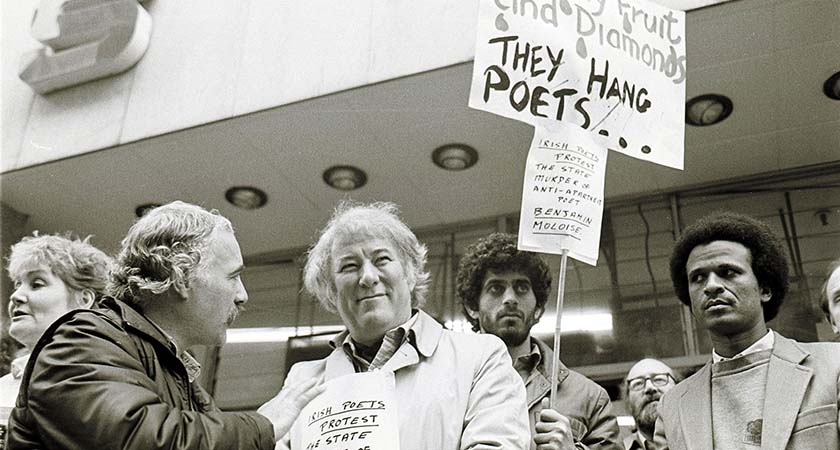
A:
[213,60]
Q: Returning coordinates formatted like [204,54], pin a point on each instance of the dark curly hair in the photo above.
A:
[498,253]
[769,263]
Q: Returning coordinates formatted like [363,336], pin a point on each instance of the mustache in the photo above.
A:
[511,312]
[234,314]
[651,398]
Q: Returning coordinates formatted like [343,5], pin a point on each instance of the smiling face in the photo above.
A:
[725,295]
[507,307]
[372,288]
[40,297]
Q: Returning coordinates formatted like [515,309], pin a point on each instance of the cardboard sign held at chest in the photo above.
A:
[355,412]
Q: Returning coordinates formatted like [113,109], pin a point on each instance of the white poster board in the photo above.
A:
[563,193]
[356,412]
[616,68]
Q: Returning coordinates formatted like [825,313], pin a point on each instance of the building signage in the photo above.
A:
[84,40]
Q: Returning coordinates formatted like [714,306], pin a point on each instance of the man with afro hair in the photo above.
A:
[760,389]
[503,292]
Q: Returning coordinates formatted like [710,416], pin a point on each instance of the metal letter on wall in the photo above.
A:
[85,40]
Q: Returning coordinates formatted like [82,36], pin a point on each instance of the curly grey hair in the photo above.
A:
[377,220]
[163,248]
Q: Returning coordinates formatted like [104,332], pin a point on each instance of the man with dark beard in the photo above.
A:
[503,292]
[646,381]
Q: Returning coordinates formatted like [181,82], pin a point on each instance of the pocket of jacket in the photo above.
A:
[815,417]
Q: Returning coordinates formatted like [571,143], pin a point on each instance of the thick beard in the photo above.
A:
[512,338]
[646,419]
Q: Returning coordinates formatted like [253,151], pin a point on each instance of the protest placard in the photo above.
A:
[355,412]
[614,67]
[563,193]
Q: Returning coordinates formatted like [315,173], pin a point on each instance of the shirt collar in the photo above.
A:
[765,343]
[526,364]
[406,329]
[344,337]
[641,439]
[18,365]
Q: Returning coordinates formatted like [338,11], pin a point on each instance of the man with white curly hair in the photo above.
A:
[120,377]
[454,391]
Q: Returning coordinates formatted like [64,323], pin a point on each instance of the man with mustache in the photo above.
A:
[120,376]
[503,292]
[760,390]
[645,383]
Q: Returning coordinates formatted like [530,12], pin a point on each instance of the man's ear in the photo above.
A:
[538,312]
[765,294]
[471,313]
[182,288]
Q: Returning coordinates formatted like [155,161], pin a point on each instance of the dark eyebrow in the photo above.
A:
[491,280]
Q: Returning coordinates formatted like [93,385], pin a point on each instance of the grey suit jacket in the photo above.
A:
[800,406]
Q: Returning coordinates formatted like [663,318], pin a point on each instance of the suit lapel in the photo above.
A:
[696,411]
[786,385]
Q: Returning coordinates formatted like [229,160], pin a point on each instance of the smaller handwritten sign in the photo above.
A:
[355,412]
[563,193]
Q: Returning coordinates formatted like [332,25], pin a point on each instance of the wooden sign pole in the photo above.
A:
[555,366]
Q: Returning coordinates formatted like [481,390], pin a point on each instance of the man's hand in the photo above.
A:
[554,431]
[284,408]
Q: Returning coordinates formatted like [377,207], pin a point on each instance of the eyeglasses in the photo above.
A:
[658,380]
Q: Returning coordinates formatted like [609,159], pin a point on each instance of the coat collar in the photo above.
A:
[787,382]
[134,319]
[696,410]
[544,367]
[539,385]
[427,333]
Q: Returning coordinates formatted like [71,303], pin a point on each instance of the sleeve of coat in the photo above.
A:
[603,427]
[293,377]
[88,390]
[497,415]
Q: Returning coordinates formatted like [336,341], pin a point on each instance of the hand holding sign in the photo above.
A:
[554,431]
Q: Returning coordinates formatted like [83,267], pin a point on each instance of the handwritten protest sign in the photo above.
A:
[614,67]
[355,412]
[563,193]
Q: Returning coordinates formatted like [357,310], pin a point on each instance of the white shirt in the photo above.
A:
[765,343]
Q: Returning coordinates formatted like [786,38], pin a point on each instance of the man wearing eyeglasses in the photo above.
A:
[761,390]
[646,381]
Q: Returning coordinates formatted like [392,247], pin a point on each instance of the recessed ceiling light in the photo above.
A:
[455,157]
[143,209]
[831,87]
[345,178]
[707,109]
[246,197]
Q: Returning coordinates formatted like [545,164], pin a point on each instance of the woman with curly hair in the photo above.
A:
[52,275]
